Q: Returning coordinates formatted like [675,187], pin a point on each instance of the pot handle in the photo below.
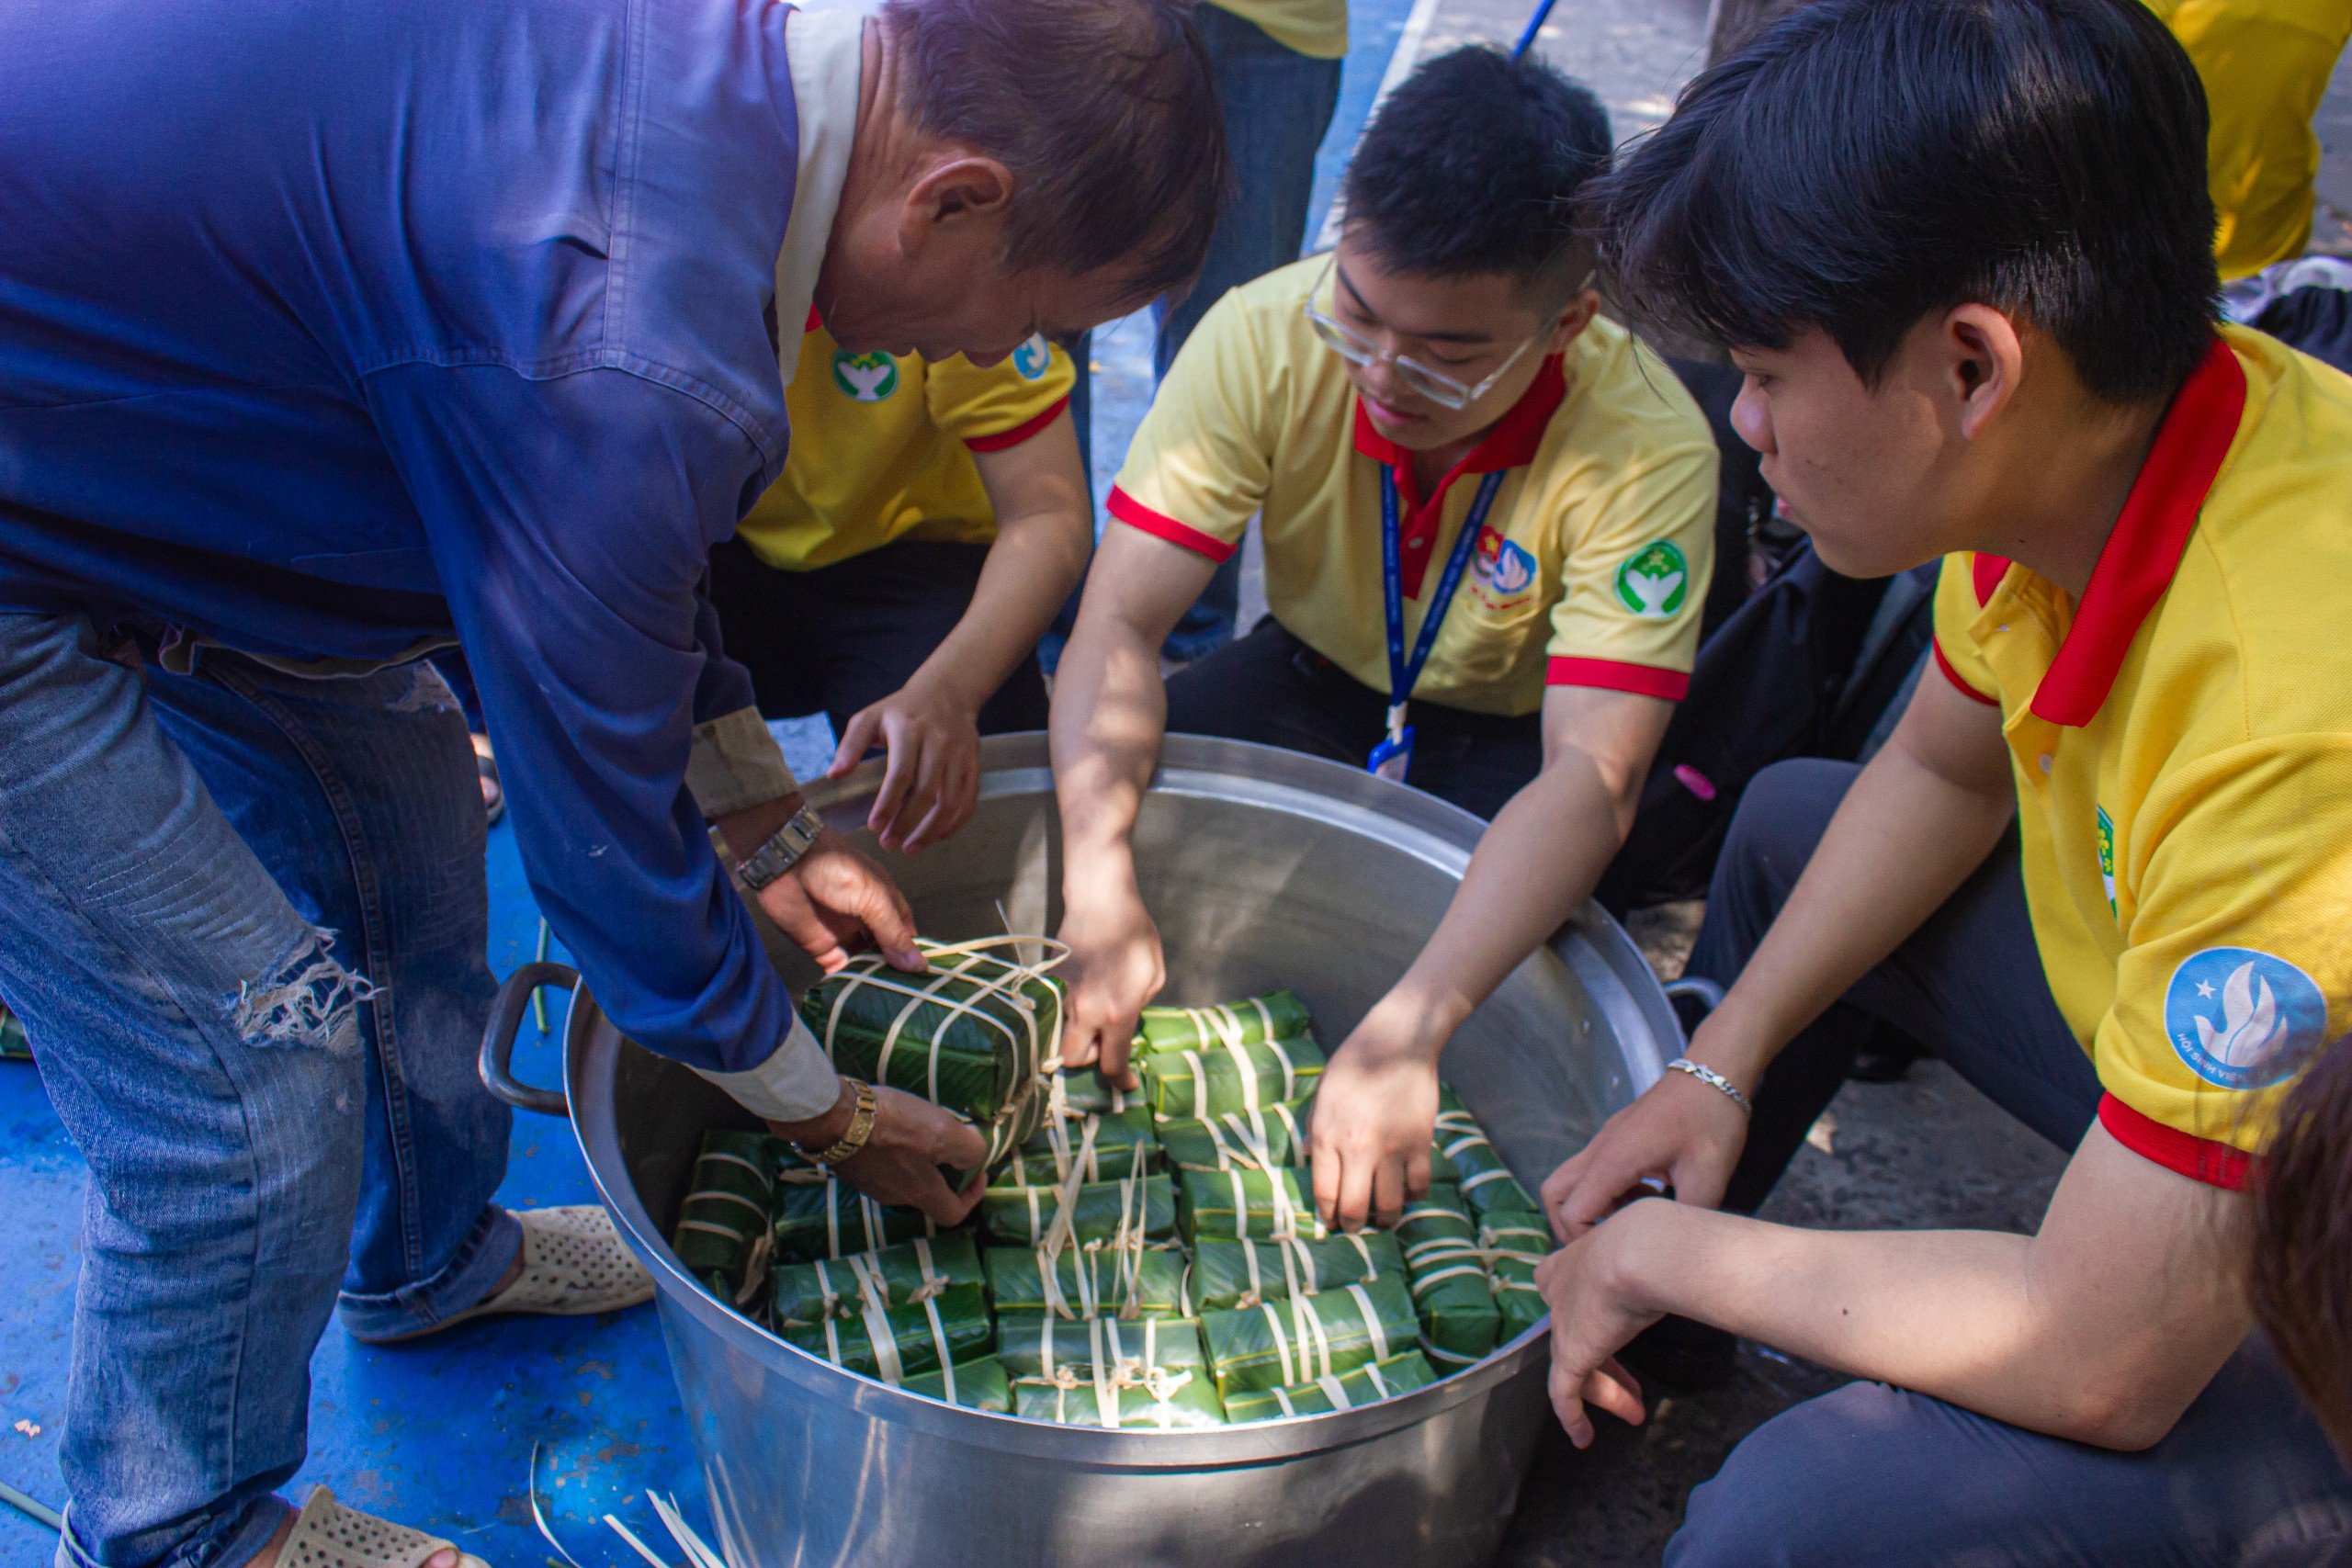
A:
[1693,997]
[515,994]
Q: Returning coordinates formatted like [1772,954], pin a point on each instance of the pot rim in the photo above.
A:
[1593,946]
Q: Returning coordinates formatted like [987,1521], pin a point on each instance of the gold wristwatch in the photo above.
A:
[853,1138]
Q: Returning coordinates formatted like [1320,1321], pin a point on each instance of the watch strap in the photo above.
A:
[853,1138]
[783,851]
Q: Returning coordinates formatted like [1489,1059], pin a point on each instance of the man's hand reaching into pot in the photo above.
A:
[834,900]
[902,1159]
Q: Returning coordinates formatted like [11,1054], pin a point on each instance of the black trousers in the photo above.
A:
[1968,985]
[1273,689]
[844,636]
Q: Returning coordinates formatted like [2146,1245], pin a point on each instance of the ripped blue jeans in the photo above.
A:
[243,916]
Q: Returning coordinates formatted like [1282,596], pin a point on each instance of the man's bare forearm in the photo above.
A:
[2100,1328]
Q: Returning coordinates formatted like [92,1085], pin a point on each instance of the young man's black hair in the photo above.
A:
[1475,164]
[2052,165]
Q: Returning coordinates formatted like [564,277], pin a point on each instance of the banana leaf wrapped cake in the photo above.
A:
[1102,1146]
[1515,1245]
[1230,1274]
[1103,1213]
[972,1035]
[831,1219]
[1253,1140]
[1163,1402]
[1452,1295]
[1045,1346]
[1487,1186]
[1283,1343]
[1194,1084]
[1273,1204]
[1129,1281]
[1277,1015]
[1367,1384]
[803,1294]
[979,1384]
[723,1224]
[891,1343]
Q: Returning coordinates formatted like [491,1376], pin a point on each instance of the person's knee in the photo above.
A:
[1815,1485]
[1782,814]
[304,1000]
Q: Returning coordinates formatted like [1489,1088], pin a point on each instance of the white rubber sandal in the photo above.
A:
[328,1535]
[574,1264]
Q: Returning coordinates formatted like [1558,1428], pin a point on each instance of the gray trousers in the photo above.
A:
[1878,1476]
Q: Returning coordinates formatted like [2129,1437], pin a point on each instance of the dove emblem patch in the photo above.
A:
[2243,1018]
[865,378]
[1653,580]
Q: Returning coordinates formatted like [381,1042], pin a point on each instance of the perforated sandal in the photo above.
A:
[574,1264]
[328,1535]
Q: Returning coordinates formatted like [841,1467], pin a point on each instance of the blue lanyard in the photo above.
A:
[1403,673]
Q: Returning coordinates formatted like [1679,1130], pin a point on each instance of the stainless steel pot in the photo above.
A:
[1263,868]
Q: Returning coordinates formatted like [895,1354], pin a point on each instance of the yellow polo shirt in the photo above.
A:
[882,448]
[1591,568]
[1318,27]
[2266,65]
[2182,742]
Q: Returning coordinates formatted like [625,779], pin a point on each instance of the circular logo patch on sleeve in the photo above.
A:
[1033,359]
[2241,1018]
[1653,580]
[864,377]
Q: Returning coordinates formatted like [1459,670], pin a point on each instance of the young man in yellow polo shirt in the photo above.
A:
[1475,495]
[929,519]
[2104,866]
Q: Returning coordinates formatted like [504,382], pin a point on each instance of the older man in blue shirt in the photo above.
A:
[333,334]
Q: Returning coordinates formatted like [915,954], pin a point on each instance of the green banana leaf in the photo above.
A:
[1195,1083]
[1515,1245]
[1277,1344]
[1037,1346]
[1277,1015]
[1138,1281]
[1276,1136]
[1021,1216]
[1452,1295]
[728,1200]
[1179,1402]
[801,1295]
[1229,1274]
[1106,1147]
[1441,1166]
[829,1219]
[1084,1091]
[954,1325]
[1488,1184]
[971,1036]
[1367,1384]
[981,1384]
[1246,1205]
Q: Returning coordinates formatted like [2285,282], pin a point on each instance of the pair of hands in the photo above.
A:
[833,901]
[1376,1102]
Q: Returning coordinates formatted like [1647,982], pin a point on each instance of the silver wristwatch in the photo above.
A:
[783,851]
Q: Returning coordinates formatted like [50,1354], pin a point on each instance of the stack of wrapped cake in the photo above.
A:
[1145,1260]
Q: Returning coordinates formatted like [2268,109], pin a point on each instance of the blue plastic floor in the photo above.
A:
[440,1434]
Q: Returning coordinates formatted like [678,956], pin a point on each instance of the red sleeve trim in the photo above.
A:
[1159,525]
[2201,1159]
[1956,678]
[1614,675]
[1019,432]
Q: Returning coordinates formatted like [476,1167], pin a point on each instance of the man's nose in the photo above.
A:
[1752,419]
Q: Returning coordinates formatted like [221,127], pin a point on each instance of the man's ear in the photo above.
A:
[963,190]
[1983,363]
[1574,318]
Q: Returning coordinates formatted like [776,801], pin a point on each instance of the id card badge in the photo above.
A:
[1394,753]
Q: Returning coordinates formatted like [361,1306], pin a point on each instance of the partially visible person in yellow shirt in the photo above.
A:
[930,518]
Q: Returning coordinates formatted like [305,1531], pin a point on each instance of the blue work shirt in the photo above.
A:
[330,329]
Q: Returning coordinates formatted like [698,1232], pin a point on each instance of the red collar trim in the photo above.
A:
[1511,444]
[814,322]
[2150,534]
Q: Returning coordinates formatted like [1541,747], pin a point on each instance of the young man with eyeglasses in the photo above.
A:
[1474,495]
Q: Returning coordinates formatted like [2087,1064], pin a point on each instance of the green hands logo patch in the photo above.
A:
[2106,855]
[865,378]
[1653,580]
